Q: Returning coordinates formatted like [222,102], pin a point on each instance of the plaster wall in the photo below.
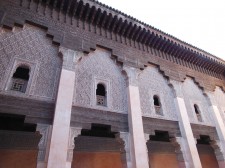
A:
[194,95]
[151,82]
[97,67]
[18,158]
[30,46]
[96,160]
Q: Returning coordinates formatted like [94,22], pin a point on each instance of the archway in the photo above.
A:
[18,142]
[97,147]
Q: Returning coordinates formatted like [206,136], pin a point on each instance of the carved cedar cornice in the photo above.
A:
[19,140]
[82,32]
[153,124]
[204,130]
[103,17]
[36,111]
[84,117]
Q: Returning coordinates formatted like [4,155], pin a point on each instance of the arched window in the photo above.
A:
[157,105]
[156,100]
[101,95]
[20,79]
[197,112]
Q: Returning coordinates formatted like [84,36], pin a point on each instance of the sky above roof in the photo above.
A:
[198,22]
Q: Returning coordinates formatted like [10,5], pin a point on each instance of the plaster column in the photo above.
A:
[220,127]
[139,158]
[61,124]
[74,132]
[189,145]
[43,146]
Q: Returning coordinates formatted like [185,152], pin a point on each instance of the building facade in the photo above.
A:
[84,85]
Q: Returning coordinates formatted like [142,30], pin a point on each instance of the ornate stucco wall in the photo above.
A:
[30,46]
[98,67]
[152,82]
[194,95]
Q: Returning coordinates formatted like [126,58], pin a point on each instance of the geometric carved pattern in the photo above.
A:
[218,150]
[45,131]
[151,83]
[31,44]
[124,136]
[219,96]
[98,64]
[194,95]
[74,133]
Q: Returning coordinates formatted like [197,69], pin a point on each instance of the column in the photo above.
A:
[74,132]
[61,124]
[189,145]
[220,127]
[139,158]
[43,146]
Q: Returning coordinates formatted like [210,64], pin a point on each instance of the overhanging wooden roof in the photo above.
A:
[105,17]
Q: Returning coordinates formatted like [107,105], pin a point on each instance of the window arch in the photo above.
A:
[20,78]
[197,112]
[157,105]
[101,95]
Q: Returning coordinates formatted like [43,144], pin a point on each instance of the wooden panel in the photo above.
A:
[96,160]
[18,158]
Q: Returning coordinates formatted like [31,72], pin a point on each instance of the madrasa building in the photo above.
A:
[83,85]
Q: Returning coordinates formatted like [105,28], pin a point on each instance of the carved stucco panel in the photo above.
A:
[45,131]
[151,83]
[31,44]
[99,65]
[194,95]
[219,96]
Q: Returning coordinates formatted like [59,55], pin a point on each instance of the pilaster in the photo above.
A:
[188,145]
[139,158]
[61,123]
[220,128]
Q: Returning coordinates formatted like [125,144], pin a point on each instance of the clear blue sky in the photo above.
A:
[198,22]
